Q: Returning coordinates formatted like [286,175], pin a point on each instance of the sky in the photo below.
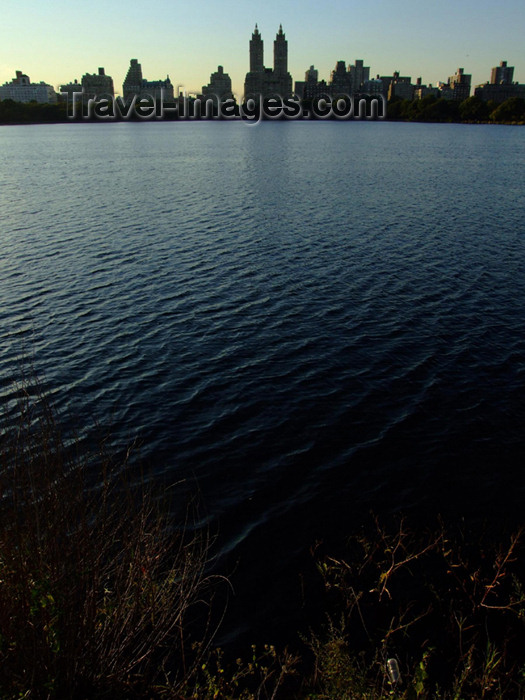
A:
[57,41]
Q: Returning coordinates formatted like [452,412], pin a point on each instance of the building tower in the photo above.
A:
[460,85]
[359,74]
[282,80]
[97,85]
[502,74]
[220,84]
[280,53]
[132,84]
[256,52]
[268,82]
[340,79]
[135,85]
[311,75]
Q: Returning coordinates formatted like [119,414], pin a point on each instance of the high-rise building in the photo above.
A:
[93,86]
[317,90]
[280,54]
[135,84]
[374,86]
[421,91]
[220,85]
[460,85]
[256,52]
[311,75]
[398,86]
[307,89]
[132,84]
[71,89]
[502,74]
[21,89]
[359,75]
[299,86]
[501,87]
[340,79]
[499,93]
[97,85]
[265,82]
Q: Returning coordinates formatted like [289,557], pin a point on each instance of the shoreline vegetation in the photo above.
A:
[429,109]
[106,593]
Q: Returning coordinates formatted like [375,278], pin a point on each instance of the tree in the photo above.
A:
[512,110]
[474,109]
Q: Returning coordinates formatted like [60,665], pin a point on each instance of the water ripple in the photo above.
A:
[306,341]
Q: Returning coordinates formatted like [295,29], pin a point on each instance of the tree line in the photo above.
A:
[428,109]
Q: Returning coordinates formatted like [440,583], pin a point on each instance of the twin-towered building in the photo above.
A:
[267,81]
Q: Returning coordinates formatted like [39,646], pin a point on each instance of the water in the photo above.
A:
[308,320]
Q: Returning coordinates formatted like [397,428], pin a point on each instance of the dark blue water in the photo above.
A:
[308,320]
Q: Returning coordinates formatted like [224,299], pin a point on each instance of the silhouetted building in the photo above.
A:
[400,86]
[359,75]
[135,84]
[71,88]
[502,74]
[261,81]
[421,91]
[445,91]
[460,85]
[373,86]
[307,88]
[340,79]
[385,80]
[499,93]
[317,90]
[501,87]
[21,89]
[220,85]
[299,88]
[311,75]
[97,85]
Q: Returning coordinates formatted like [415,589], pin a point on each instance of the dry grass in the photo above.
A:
[97,584]
[450,608]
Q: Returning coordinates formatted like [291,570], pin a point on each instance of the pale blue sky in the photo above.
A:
[58,41]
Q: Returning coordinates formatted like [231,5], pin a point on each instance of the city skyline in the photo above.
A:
[188,43]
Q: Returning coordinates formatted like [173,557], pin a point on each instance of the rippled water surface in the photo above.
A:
[309,319]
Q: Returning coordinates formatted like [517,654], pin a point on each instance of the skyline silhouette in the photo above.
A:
[273,81]
[56,44]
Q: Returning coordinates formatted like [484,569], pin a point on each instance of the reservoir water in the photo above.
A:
[306,320]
